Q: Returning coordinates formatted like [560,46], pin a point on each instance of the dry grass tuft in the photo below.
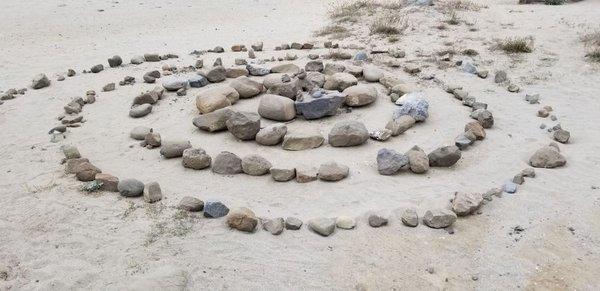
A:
[333,30]
[390,24]
[460,5]
[351,11]
[453,19]
[594,55]
[592,42]
[516,45]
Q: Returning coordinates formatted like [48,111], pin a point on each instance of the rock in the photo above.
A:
[196,159]
[115,61]
[282,174]
[417,160]
[417,108]
[409,217]
[174,149]
[152,57]
[562,136]
[276,107]
[439,218]
[246,87]
[290,89]
[257,46]
[109,182]
[314,66]
[444,156]
[484,117]
[272,134]
[152,139]
[518,179]
[243,125]
[227,163]
[130,188]
[72,164]
[255,70]
[483,74]
[142,110]
[355,71]
[216,74]
[108,87]
[313,80]
[361,56]
[302,140]
[360,95]
[213,121]
[136,60]
[274,226]
[97,68]
[389,161]
[40,81]
[464,204]
[70,152]
[86,172]
[500,77]
[372,73]
[215,98]
[72,108]
[217,49]
[340,81]
[306,174]
[547,157]
[345,222]
[322,226]
[543,113]
[376,220]
[381,134]
[513,88]
[288,68]
[198,81]
[475,128]
[348,133]
[242,219]
[215,209]
[332,172]
[389,81]
[532,99]
[72,119]
[313,108]
[150,97]
[152,192]
[529,172]
[191,204]
[255,165]
[293,223]
[236,72]
[510,187]
[400,125]
[462,141]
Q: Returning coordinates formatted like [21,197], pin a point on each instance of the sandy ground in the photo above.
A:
[55,237]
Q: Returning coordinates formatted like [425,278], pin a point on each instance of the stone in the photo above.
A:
[417,108]
[518,179]
[246,87]
[533,98]
[217,49]
[306,174]
[243,125]
[174,149]
[195,158]
[510,187]
[227,163]
[400,125]
[376,220]
[237,47]
[97,68]
[72,108]
[40,81]
[150,97]
[348,133]
[109,182]
[215,98]
[242,219]
[463,141]
[381,134]
[389,161]
[389,81]
[543,113]
[288,68]
[475,128]
[302,140]
[255,70]
[216,74]
[257,46]
[108,87]
[115,61]
[355,71]
[484,117]
[136,60]
[322,226]
[130,188]
[213,121]
[340,81]
[236,72]
[314,108]
[409,217]
[313,80]
[271,135]
[401,90]
[500,77]
[86,172]
[562,136]
[547,157]
[282,174]
[372,73]
[290,89]
[360,95]
[418,161]
[464,204]
[152,57]
[152,139]
[142,110]
[198,81]
[152,192]
[529,172]
[70,152]
[72,164]
[439,218]
[444,156]
[276,107]
[274,226]
[71,73]
[345,222]
[332,172]
[314,66]
[191,204]
[71,119]
[215,209]
[293,223]
[255,165]
[483,74]
[513,88]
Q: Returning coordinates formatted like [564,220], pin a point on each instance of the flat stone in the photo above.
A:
[439,218]
[389,162]
[227,163]
[198,81]
[152,192]
[213,121]
[306,174]
[293,223]
[464,204]
[444,156]
[255,165]
[476,128]
[174,149]
[130,188]
[348,133]
[345,222]
[246,87]
[360,95]
[313,108]
[215,98]
[272,134]
[288,68]
[236,72]
[562,136]
[400,125]
[142,110]
[322,226]
[314,66]
[191,204]
[409,217]
[302,140]
[215,209]
[340,81]
[376,220]
[282,174]
[332,172]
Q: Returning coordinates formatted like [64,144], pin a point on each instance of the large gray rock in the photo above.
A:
[322,226]
[348,133]
[302,140]
[360,95]
[215,209]
[115,61]
[174,149]
[417,160]
[215,98]
[400,125]
[290,89]
[246,87]
[333,172]
[314,66]
[216,74]
[255,165]
[276,107]
[198,81]
[152,192]
[213,121]
[439,218]
[389,162]
[130,188]
[138,111]
[272,134]
[196,159]
[417,108]
[484,117]
[227,163]
[174,84]
[282,174]
[340,81]
[464,204]
[243,125]
[326,105]
[255,70]
[372,73]
[548,157]
[444,156]
[288,68]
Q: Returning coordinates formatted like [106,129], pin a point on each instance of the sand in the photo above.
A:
[55,237]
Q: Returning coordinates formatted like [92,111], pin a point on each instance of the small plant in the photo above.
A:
[92,186]
[554,2]
[331,29]
[516,45]
[463,5]
[470,52]
[390,24]
[393,39]
[592,41]
[594,55]
[453,19]
[350,11]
